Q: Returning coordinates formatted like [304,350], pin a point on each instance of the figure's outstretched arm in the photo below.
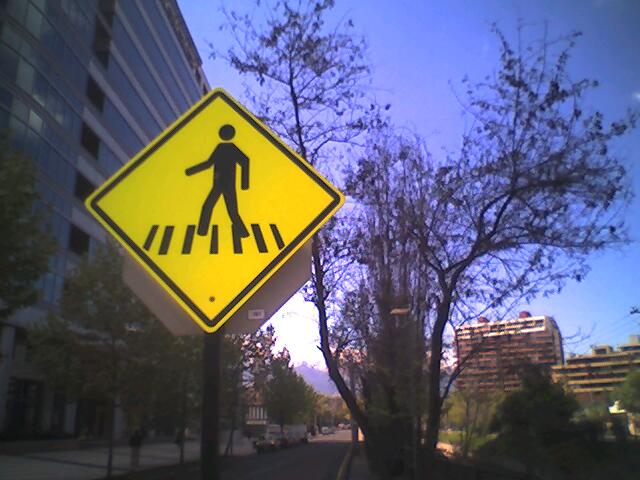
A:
[199,167]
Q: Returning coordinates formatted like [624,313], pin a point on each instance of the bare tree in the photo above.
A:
[385,315]
[533,190]
[310,88]
[515,213]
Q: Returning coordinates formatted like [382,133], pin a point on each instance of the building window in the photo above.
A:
[78,240]
[107,8]
[23,407]
[95,94]
[101,44]
[83,187]
[90,140]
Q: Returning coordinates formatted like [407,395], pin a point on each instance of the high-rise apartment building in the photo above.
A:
[84,85]
[593,377]
[494,353]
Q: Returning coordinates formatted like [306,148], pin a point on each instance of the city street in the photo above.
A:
[319,460]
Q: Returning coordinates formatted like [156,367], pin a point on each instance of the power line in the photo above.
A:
[604,331]
[626,324]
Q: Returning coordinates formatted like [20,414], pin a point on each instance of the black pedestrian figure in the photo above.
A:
[223,160]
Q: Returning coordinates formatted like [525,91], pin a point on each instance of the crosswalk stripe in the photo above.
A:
[213,247]
[276,236]
[257,234]
[150,237]
[189,236]
[188,239]
[237,240]
[166,240]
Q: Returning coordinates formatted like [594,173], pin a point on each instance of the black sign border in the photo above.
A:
[271,267]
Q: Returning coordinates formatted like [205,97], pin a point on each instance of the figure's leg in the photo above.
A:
[207,210]
[232,208]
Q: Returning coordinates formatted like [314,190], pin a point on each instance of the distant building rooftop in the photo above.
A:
[590,376]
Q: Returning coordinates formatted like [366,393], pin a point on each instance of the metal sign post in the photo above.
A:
[211,373]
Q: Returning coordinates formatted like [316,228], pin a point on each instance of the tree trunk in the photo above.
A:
[229,448]
[417,404]
[434,406]
[183,418]
[318,282]
[332,366]
[354,424]
[112,434]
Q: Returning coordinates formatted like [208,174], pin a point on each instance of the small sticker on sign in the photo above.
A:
[256,314]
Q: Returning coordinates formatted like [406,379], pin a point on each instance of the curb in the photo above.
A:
[343,471]
[161,472]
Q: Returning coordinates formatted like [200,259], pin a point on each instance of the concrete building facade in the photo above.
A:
[493,353]
[592,377]
[84,85]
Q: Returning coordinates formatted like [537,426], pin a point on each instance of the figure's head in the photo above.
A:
[227,132]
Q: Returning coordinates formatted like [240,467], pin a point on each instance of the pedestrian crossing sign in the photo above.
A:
[213,207]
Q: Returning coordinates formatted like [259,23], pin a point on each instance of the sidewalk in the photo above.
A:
[359,470]
[23,447]
[89,464]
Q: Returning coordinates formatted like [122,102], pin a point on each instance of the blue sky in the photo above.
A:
[419,50]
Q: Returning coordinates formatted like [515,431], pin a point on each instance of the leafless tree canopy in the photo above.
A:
[312,76]
[533,189]
[430,241]
[311,83]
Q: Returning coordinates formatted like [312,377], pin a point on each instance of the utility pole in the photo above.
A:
[211,372]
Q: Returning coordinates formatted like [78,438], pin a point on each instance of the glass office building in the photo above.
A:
[84,85]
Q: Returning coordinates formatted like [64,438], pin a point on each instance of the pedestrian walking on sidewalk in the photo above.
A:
[135,442]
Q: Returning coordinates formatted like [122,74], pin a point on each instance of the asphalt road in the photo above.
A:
[318,460]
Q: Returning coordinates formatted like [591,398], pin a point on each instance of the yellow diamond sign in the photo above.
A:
[213,207]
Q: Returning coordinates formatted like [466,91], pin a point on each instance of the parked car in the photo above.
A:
[276,437]
[296,434]
[282,440]
[266,444]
